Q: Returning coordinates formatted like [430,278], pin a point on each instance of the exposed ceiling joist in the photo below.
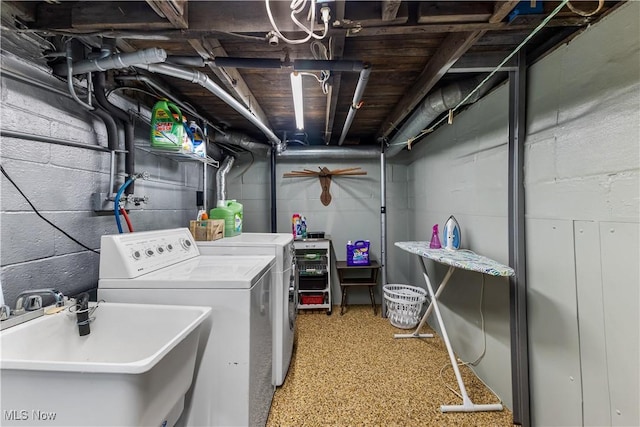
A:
[174,10]
[451,49]
[230,77]
[390,9]
[336,50]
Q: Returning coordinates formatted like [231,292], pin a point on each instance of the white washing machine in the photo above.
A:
[233,380]
[284,290]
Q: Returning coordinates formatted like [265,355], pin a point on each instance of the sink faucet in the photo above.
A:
[31,300]
[29,305]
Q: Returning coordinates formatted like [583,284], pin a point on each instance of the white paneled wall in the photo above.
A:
[582,189]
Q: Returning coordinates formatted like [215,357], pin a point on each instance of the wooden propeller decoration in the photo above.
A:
[325,178]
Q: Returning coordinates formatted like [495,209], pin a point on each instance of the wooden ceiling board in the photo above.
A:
[413,48]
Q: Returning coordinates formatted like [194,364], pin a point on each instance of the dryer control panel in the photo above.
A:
[125,256]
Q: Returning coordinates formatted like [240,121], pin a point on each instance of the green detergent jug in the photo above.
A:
[231,212]
[167,130]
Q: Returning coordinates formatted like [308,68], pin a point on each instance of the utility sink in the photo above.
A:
[133,369]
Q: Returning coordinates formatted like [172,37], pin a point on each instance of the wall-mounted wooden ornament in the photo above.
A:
[325,178]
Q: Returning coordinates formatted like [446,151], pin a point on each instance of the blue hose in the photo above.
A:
[116,202]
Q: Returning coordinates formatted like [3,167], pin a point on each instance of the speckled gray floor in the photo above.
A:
[349,371]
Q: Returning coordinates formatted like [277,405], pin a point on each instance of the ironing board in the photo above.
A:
[466,260]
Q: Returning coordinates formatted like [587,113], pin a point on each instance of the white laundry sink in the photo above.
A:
[134,368]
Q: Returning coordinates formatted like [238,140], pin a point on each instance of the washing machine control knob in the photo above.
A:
[186,243]
[160,250]
[149,252]
[136,255]
[169,247]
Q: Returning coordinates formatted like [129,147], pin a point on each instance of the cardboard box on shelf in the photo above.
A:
[209,229]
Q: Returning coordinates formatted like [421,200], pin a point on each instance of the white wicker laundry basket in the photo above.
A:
[404,304]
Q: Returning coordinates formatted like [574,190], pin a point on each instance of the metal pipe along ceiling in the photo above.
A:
[120,60]
[435,104]
[330,153]
[242,140]
[203,80]
[355,103]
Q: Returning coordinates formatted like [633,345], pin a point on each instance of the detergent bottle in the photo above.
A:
[198,139]
[231,212]
[187,136]
[296,226]
[167,131]
[303,227]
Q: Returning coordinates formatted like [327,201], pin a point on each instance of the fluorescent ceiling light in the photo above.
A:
[296,88]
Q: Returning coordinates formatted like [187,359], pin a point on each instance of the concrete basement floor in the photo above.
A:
[349,370]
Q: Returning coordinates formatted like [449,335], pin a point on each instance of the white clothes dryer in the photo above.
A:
[233,380]
[285,286]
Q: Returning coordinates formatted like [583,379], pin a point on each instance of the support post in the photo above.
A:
[383,228]
[274,220]
[517,254]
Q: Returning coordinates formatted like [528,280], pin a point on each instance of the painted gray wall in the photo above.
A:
[59,181]
[353,214]
[582,212]
[582,216]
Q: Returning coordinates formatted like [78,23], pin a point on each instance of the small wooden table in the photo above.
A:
[348,276]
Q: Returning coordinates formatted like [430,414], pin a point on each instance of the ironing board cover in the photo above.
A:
[461,258]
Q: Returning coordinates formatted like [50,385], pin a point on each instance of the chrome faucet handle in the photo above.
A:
[5,312]
[31,299]
[29,303]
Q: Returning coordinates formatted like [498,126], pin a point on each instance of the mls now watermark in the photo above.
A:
[28,415]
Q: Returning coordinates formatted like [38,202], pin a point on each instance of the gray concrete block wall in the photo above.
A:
[354,211]
[582,186]
[59,181]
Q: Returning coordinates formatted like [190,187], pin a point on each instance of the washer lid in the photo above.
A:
[248,239]
[205,272]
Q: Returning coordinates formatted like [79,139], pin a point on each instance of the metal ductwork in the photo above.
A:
[221,178]
[330,153]
[355,103]
[242,140]
[203,80]
[119,60]
[435,104]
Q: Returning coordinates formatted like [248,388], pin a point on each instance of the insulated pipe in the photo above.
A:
[330,153]
[129,130]
[329,65]
[242,140]
[119,60]
[224,61]
[203,80]
[355,103]
[110,125]
[221,179]
[435,104]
